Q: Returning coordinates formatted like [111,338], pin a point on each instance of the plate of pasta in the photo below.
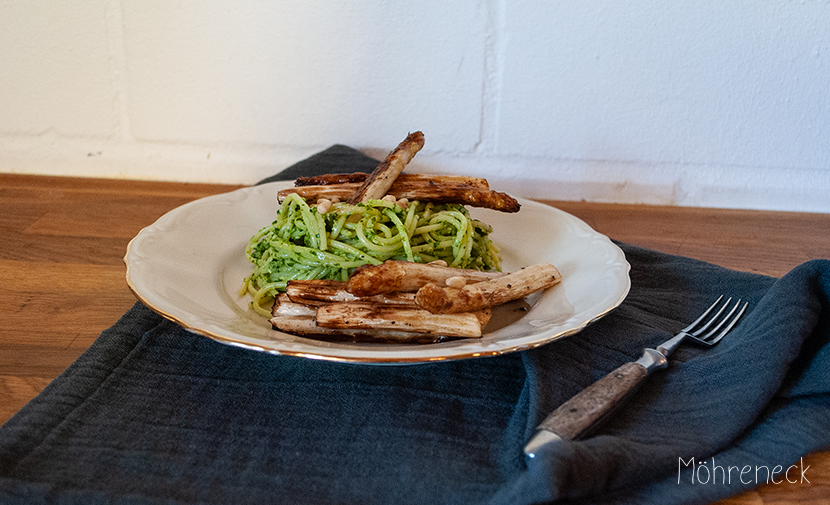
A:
[194,267]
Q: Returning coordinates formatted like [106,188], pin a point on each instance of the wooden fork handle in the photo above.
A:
[586,411]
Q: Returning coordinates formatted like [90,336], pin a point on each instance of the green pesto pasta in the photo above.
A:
[303,243]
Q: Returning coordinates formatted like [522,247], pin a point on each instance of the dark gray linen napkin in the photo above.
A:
[153,414]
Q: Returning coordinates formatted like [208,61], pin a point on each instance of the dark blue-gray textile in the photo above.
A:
[153,414]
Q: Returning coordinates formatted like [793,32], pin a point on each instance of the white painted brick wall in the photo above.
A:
[706,103]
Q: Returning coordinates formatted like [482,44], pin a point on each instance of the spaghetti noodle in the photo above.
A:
[303,243]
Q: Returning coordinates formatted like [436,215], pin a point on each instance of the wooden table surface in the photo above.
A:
[62,272]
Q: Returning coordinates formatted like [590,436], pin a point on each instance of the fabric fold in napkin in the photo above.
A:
[152,413]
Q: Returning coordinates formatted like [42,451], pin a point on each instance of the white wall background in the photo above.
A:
[706,102]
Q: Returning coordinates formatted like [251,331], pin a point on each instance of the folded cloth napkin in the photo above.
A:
[154,414]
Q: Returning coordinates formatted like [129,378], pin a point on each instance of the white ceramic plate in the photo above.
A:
[189,265]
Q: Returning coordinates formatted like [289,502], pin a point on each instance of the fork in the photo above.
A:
[579,416]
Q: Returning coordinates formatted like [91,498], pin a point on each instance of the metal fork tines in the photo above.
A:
[707,331]
[581,414]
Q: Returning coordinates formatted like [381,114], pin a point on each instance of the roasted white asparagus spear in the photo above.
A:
[472,297]
[384,317]
[393,276]
[381,179]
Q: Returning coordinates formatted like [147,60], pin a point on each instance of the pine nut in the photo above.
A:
[323,205]
[456,282]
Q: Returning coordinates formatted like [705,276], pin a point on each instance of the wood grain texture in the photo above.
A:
[62,273]
[577,417]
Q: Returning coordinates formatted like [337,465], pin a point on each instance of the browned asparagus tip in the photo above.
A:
[379,182]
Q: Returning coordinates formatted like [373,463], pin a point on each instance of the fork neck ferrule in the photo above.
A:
[652,360]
